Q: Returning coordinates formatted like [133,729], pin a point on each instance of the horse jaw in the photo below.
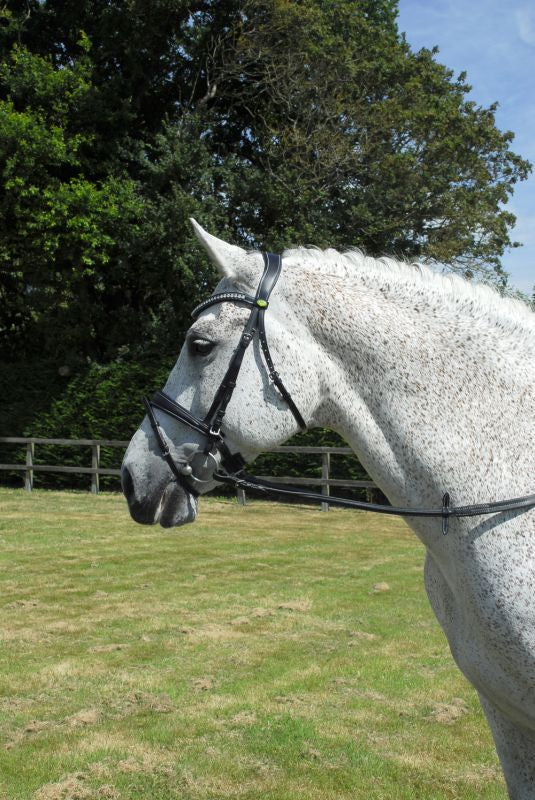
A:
[178,507]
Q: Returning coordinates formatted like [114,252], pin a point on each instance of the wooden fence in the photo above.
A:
[95,470]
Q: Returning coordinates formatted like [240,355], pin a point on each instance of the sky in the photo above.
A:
[494,42]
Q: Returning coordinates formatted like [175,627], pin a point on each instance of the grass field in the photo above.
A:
[265,653]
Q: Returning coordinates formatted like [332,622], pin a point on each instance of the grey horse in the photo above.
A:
[431,381]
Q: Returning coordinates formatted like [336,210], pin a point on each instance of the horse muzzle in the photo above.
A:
[155,493]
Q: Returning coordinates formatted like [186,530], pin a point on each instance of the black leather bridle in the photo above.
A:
[229,466]
[210,426]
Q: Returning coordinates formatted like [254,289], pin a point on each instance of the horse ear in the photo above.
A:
[225,256]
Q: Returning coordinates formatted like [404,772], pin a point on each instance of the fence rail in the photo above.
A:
[95,470]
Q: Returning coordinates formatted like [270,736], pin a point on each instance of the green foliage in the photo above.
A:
[27,389]
[60,227]
[272,122]
[99,402]
[353,139]
[104,402]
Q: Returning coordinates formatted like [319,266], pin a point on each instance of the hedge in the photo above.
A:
[103,402]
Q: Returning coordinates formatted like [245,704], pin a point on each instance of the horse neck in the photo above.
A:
[423,384]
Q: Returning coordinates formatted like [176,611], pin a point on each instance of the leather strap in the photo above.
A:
[223,297]
[210,426]
[480,509]
[217,410]
[162,444]
[274,375]
[231,462]
[272,268]
[162,401]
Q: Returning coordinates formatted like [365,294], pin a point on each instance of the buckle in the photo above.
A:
[446,512]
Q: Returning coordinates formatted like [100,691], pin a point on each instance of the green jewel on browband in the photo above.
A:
[262,303]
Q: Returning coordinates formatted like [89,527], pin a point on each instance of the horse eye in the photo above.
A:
[201,347]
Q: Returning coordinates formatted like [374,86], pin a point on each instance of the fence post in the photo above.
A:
[325,468]
[241,497]
[95,463]
[28,476]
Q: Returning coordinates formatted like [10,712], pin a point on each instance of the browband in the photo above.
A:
[223,297]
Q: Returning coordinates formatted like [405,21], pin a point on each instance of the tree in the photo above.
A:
[59,224]
[276,122]
[341,134]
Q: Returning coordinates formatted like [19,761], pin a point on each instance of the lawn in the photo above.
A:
[263,653]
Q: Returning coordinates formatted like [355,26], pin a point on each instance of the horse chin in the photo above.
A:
[177,507]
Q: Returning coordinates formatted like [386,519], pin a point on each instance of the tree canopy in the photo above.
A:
[273,122]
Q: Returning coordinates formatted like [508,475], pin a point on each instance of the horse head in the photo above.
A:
[207,415]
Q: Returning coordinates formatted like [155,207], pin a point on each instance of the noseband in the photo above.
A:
[228,467]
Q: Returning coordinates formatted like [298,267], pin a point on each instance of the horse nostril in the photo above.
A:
[127,483]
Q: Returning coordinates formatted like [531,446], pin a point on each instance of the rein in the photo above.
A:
[446,511]
[229,466]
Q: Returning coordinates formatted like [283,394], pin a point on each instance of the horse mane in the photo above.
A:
[476,297]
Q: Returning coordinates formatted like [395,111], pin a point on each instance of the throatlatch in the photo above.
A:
[233,464]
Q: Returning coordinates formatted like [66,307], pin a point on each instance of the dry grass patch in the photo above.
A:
[448,713]
[296,605]
[75,787]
